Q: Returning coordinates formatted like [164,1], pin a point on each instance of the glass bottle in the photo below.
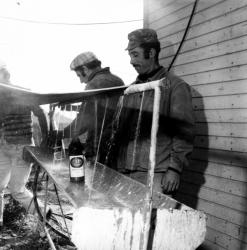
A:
[77,161]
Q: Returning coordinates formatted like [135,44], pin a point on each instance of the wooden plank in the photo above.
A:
[221,115]
[157,4]
[223,143]
[222,225]
[205,22]
[217,75]
[211,11]
[216,210]
[211,51]
[204,40]
[222,129]
[220,156]
[227,228]
[169,41]
[165,10]
[230,172]
[237,101]
[207,12]
[224,61]
[212,195]
[216,183]
[225,240]
[220,102]
[209,245]
[181,15]
[220,88]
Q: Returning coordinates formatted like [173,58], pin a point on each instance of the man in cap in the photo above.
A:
[88,68]
[176,122]
[16,131]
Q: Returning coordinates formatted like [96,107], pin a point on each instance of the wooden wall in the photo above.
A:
[213,60]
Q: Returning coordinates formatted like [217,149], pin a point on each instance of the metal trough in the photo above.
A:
[111,210]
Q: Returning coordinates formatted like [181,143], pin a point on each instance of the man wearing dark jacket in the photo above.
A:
[176,121]
[90,117]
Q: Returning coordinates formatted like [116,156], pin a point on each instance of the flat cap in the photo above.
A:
[82,59]
[141,36]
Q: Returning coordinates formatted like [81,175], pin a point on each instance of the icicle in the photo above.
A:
[114,129]
[137,132]
[98,146]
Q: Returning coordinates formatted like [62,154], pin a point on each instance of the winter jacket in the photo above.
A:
[17,123]
[175,132]
[91,113]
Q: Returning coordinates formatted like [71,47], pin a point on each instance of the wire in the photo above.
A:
[74,24]
[184,36]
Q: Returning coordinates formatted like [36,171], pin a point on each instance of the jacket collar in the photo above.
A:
[97,72]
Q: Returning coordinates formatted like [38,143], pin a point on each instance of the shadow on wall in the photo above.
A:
[193,178]
[243,229]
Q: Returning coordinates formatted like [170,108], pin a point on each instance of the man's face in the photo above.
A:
[138,61]
[82,76]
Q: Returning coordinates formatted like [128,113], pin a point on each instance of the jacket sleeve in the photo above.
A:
[82,122]
[181,113]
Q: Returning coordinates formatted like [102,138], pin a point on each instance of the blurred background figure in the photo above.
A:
[4,74]
[16,131]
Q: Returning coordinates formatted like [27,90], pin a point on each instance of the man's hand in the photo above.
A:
[170,181]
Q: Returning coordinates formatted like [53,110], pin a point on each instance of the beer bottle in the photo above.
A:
[77,161]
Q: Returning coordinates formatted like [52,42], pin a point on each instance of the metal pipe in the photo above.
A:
[135,88]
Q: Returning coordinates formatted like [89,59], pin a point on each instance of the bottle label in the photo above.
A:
[76,164]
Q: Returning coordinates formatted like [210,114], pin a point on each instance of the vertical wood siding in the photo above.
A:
[213,60]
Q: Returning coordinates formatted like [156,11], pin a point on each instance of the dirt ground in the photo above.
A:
[25,232]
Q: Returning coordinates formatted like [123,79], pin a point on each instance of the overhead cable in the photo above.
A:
[75,24]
